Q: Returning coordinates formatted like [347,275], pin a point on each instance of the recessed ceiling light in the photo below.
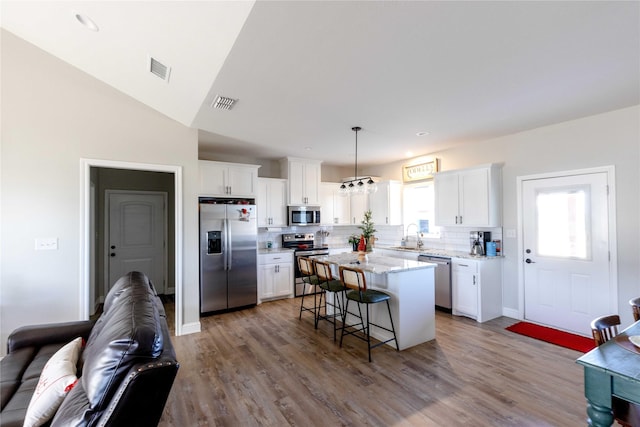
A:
[86,21]
[409,154]
[422,133]
[307,148]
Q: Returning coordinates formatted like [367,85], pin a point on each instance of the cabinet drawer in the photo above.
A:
[276,258]
[464,266]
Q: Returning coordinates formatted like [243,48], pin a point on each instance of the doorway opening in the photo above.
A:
[98,176]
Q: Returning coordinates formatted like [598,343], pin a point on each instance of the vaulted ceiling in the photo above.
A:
[304,73]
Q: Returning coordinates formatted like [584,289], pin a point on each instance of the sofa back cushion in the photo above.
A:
[130,332]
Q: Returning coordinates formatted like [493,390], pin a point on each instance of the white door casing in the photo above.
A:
[567,224]
[86,234]
[136,225]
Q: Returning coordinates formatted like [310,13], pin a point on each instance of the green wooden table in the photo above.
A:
[612,369]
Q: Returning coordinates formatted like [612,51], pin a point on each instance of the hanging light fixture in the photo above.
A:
[356,185]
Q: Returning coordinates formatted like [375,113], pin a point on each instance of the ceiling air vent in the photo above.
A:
[223,103]
[159,69]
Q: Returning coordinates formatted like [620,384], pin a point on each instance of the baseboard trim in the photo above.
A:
[510,312]
[190,328]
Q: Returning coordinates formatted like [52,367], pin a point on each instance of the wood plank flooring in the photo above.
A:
[264,367]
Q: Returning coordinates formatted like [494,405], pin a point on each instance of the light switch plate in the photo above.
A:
[510,233]
[47,244]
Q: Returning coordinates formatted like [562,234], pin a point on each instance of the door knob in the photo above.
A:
[528,261]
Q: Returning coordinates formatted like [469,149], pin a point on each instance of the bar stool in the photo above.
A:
[310,280]
[354,279]
[330,285]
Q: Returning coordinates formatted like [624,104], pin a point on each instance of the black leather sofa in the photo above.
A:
[125,372]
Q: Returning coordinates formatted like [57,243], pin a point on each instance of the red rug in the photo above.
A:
[553,336]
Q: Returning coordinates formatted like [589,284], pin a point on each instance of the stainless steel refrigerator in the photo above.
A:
[228,253]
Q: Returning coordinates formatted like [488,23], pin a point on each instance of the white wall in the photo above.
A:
[606,139]
[52,116]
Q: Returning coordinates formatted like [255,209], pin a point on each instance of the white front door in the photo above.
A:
[566,250]
[137,224]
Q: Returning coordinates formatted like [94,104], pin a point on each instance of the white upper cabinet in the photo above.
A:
[334,208]
[228,179]
[386,203]
[304,180]
[358,205]
[272,202]
[469,197]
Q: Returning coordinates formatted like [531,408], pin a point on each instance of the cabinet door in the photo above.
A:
[278,203]
[283,280]
[266,280]
[311,184]
[386,204]
[326,202]
[474,197]
[446,199]
[358,204]
[212,179]
[262,203]
[242,181]
[341,209]
[465,288]
[296,183]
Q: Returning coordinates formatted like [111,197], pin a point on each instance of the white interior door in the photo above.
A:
[137,234]
[566,250]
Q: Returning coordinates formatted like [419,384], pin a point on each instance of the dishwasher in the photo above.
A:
[442,280]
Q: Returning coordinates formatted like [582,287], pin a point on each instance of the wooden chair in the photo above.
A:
[309,283]
[635,306]
[337,290]
[353,278]
[603,329]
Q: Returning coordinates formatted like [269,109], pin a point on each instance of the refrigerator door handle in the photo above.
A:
[229,247]
[225,246]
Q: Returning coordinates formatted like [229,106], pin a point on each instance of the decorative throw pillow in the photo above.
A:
[57,378]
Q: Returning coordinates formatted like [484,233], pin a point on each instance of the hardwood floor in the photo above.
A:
[264,367]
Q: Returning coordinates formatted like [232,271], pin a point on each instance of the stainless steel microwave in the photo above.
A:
[304,215]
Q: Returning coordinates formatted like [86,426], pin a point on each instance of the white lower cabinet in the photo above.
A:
[476,288]
[275,275]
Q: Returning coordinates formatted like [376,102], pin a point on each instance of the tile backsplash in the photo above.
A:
[450,238]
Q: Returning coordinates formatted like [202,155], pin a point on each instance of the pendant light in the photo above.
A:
[357,185]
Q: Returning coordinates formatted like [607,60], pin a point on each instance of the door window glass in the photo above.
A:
[562,223]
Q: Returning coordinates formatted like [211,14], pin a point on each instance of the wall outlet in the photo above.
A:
[510,233]
[47,244]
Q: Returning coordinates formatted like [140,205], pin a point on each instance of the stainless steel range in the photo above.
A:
[302,244]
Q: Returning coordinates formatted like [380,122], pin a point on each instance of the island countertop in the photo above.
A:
[376,264]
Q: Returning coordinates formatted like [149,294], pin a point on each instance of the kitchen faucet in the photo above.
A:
[419,242]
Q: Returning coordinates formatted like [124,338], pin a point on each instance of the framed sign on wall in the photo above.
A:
[420,171]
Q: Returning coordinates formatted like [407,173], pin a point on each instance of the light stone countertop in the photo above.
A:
[376,264]
[441,253]
[265,251]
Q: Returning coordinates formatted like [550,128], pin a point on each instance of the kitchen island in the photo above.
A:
[411,287]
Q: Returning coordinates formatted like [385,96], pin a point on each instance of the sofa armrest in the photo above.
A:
[39,335]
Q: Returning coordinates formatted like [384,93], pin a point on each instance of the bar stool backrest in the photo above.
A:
[353,278]
[306,266]
[323,271]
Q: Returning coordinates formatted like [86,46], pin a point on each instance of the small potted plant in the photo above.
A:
[368,230]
